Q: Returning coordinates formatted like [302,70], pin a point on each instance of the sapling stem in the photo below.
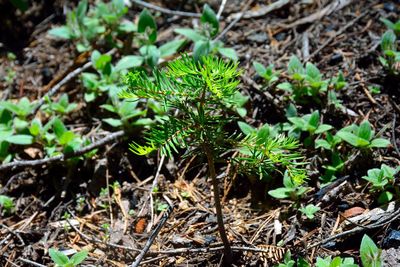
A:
[217,200]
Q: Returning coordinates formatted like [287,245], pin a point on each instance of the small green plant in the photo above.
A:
[128,112]
[290,190]
[308,123]
[149,52]
[289,262]
[90,26]
[362,136]
[374,89]
[13,126]
[307,82]
[107,77]
[268,73]
[202,37]
[335,262]
[309,211]
[370,254]
[62,260]
[382,180]
[390,56]
[394,26]
[60,107]
[6,204]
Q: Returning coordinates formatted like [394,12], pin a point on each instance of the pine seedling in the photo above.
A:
[195,95]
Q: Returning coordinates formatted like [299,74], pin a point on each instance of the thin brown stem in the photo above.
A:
[221,226]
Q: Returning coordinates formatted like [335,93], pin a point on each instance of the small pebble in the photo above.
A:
[392,239]
[335,59]
[389,7]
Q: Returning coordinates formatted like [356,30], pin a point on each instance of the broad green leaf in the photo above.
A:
[66,138]
[350,138]
[170,48]
[20,139]
[79,257]
[285,86]
[128,62]
[295,66]
[246,128]
[312,72]
[365,131]
[388,41]
[113,122]
[19,124]
[201,48]
[380,142]
[127,26]
[322,143]
[58,257]
[35,128]
[263,133]
[228,52]
[63,32]
[260,69]
[81,10]
[323,128]
[190,34]
[280,193]
[58,127]
[369,252]
[209,16]
[6,203]
[146,21]
[314,120]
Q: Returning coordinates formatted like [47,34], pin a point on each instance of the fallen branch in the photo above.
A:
[384,220]
[153,235]
[326,11]
[31,163]
[64,81]
[260,12]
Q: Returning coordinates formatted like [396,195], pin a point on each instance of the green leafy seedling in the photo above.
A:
[203,37]
[289,262]
[309,211]
[6,204]
[93,25]
[370,253]
[362,136]
[61,260]
[126,110]
[335,262]
[381,180]
[290,190]
[267,73]
[309,123]
[149,52]
[390,56]
[307,82]
[394,26]
[62,106]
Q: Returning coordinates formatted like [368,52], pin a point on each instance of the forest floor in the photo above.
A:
[108,202]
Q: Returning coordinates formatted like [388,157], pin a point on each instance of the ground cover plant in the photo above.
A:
[263,134]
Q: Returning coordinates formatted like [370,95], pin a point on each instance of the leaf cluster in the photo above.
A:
[203,36]
[91,25]
[62,260]
[381,180]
